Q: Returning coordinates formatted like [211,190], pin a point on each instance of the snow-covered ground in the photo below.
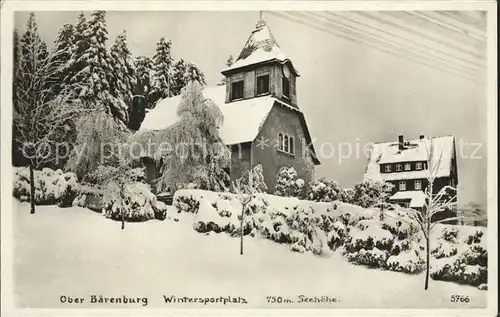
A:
[77,252]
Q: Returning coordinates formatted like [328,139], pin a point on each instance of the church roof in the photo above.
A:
[438,150]
[243,119]
[260,47]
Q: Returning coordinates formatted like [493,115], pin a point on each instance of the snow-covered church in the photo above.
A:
[263,123]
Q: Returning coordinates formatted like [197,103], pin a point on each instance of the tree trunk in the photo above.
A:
[242,229]
[32,187]
[427,264]
[123,206]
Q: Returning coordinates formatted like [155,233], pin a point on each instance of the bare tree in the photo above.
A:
[40,118]
[245,194]
[434,204]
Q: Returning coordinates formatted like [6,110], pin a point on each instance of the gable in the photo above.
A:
[288,120]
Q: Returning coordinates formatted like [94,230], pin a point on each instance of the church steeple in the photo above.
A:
[261,68]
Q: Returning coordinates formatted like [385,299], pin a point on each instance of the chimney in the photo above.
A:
[400,142]
[422,137]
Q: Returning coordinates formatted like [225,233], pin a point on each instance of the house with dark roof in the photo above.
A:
[263,123]
[410,164]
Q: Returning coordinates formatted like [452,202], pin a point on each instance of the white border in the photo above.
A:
[6,118]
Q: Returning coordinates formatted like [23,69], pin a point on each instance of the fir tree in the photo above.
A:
[94,71]
[124,74]
[163,74]
[64,49]
[193,73]
[179,76]
[141,102]
[229,63]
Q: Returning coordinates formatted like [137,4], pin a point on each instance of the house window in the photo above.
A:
[418,166]
[237,90]
[262,84]
[399,167]
[418,185]
[280,141]
[286,87]
[291,146]
[402,185]
[407,166]
[387,168]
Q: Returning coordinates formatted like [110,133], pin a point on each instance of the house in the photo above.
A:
[408,165]
[263,123]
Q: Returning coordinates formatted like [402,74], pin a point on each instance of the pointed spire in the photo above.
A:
[260,47]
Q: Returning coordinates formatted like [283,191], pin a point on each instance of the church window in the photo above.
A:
[280,141]
[291,147]
[286,143]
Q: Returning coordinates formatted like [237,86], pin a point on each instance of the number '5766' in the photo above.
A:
[459,299]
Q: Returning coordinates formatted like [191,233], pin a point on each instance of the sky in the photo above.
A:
[351,94]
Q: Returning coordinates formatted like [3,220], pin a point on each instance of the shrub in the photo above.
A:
[287,184]
[51,187]
[135,202]
[323,190]
[89,197]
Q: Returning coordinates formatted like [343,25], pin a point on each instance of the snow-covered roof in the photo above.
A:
[440,151]
[260,47]
[242,119]
[416,197]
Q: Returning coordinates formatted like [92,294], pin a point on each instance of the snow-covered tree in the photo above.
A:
[371,193]
[255,177]
[184,73]
[323,190]
[245,191]
[180,82]
[194,139]
[229,62]
[163,72]
[96,142]
[64,45]
[93,70]
[40,119]
[193,73]
[124,73]
[141,101]
[287,184]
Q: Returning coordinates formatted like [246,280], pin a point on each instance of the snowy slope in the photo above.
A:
[77,252]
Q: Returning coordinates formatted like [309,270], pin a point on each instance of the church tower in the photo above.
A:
[261,69]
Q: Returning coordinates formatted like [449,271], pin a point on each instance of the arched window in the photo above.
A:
[286,143]
[292,145]
[280,142]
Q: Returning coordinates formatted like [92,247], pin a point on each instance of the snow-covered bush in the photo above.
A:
[136,200]
[346,195]
[323,190]
[370,192]
[384,241]
[461,258]
[89,197]
[51,187]
[304,225]
[287,184]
